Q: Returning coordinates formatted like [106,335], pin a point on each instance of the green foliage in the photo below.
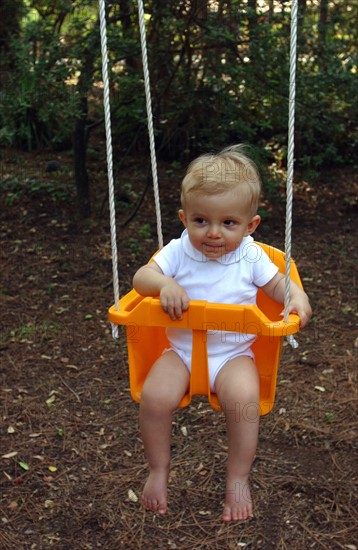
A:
[327,92]
[39,100]
[14,189]
[145,231]
[219,75]
[37,106]
[43,331]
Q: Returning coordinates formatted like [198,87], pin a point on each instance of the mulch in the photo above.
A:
[72,464]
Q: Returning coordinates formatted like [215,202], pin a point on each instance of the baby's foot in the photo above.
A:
[238,502]
[154,495]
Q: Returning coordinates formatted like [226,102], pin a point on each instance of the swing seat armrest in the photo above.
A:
[135,309]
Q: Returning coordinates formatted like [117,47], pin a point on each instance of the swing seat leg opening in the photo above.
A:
[154,341]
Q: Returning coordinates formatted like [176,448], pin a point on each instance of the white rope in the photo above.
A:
[150,121]
[107,116]
[290,163]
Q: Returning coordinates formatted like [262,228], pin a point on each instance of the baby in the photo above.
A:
[211,261]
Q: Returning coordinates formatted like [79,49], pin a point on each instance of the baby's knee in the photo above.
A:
[241,393]
[156,400]
[240,401]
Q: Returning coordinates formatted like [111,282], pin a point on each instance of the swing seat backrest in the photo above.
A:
[146,324]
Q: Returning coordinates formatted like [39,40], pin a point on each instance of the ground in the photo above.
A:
[72,464]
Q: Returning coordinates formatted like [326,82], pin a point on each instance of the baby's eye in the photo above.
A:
[229,223]
[199,220]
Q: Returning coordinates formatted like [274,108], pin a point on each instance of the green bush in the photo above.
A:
[219,75]
[37,106]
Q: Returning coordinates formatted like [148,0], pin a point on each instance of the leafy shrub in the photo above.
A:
[37,106]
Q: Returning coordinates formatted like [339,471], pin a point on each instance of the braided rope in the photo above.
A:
[150,121]
[107,116]
[290,163]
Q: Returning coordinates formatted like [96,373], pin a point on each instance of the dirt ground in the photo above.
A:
[72,464]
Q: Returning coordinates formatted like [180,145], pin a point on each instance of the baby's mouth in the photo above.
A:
[214,246]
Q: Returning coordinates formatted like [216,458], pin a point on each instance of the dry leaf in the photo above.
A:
[51,399]
[49,503]
[10,455]
[132,496]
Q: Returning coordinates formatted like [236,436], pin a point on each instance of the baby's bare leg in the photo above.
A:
[237,387]
[162,392]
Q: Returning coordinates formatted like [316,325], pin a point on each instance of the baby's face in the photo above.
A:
[217,224]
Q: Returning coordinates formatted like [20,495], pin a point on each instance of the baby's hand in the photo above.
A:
[174,299]
[300,304]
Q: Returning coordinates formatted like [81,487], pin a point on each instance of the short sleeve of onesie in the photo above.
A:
[263,269]
[168,258]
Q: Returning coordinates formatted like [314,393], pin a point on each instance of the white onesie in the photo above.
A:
[232,279]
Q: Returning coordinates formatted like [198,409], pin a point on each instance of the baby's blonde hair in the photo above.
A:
[216,173]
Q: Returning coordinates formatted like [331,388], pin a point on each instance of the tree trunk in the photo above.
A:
[271,10]
[11,12]
[80,140]
[252,27]
[129,31]
[322,24]
[81,131]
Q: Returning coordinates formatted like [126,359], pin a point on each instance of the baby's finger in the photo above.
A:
[171,310]
[303,317]
[178,310]
[167,306]
[304,320]
[282,314]
[174,309]
[185,303]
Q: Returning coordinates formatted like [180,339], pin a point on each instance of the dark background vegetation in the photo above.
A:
[72,465]
[219,75]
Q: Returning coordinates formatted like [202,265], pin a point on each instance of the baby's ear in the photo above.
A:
[253,224]
[182,217]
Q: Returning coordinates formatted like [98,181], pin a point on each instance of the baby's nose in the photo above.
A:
[214,231]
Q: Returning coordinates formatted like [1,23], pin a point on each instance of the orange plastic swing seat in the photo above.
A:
[146,324]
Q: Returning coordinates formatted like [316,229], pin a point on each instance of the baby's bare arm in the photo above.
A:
[299,302]
[150,281]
